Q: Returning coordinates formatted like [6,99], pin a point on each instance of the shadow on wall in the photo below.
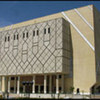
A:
[69,76]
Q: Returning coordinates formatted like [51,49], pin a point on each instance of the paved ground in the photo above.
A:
[11,96]
[95,96]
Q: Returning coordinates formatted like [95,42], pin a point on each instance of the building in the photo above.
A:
[55,52]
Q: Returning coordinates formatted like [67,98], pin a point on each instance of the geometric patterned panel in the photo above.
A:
[36,48]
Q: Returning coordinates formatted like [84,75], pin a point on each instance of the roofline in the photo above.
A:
[34,20]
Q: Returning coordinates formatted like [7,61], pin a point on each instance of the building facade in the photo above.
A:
[55,52]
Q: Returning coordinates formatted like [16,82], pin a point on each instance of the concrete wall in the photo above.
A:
[83,56]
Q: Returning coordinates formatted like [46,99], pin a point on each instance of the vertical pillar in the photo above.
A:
[15,85]
[23,88]
[18,85]
[57,84]
[0,83]
[62,89]
[45,84]
[3,84]
[6,85]
[33,91]
[9,78]
[38,88]
[50,84]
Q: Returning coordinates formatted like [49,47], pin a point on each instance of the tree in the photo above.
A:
[71,89]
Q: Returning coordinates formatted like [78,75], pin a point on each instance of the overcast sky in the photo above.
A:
[12,12]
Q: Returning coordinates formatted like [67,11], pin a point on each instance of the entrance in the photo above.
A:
[28,88]
[41,89]
[36,89]
[98,89]
[92,90]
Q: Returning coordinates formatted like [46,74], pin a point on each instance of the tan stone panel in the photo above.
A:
[83,63]
[81,25]
[87,13]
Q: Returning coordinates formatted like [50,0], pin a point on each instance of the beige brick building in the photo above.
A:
[55,52]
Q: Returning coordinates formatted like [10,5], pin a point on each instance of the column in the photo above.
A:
[39,88]
[15,85]
[18,85]
[57,83]
[45,84]
[23,88]
[3,84]
[33,91]
[62,87]
[9,79]
[0,83]
[50,84]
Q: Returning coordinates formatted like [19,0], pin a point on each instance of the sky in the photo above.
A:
[12,12]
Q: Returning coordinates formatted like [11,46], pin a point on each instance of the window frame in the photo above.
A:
[37,32]
[17,36]
[33,33]
[14,36]
[8,38]
[5,38]
[44,30]
[49,30]
[23,35]
[27,34]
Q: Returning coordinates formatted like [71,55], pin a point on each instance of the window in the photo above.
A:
[49,30]
[44,31]
[59,76]
[14,37]
[33,33]
[8,38]
[60,88]
[17,37]
[12,78]
[16,78]
[5,39]
[37,32]
[23,35]
[11,88]
[27,34]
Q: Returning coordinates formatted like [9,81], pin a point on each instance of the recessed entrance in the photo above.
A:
[40,84]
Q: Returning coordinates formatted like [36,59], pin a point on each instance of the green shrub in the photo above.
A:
[72,89]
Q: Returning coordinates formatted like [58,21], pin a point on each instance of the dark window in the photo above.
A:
[5,39]
[16,78]
[23,35]
[8,38]
[49,30]
[27,35]
[44,31]
[37,32]
[59,76]
[12,78]
[14,37]
[12,88]
[17,37]
[60,88]
[33,33]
